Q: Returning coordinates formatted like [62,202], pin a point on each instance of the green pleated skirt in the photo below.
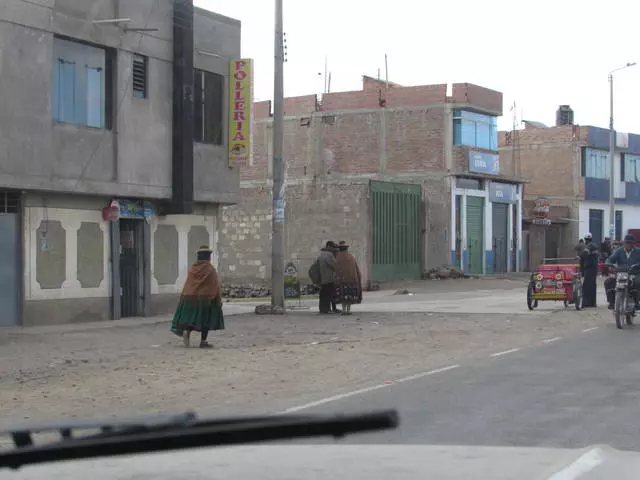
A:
[197,314]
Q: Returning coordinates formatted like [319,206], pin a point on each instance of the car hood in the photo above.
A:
[397,462]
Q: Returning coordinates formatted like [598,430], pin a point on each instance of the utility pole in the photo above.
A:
[277,238]
[612,155]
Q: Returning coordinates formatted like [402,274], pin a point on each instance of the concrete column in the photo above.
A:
[383,141]
[463,227]
[448,137]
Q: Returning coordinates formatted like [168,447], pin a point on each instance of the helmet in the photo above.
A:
[588,236]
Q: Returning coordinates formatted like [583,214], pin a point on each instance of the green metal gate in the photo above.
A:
[475,234]
[396,228]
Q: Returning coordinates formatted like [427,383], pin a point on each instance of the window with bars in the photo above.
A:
[208,98]
[9,201]
[140,76]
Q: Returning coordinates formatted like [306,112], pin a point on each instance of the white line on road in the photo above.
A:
[550,340]
[506,352]
[587,330]
[585,463]
[426,374]
[335,398]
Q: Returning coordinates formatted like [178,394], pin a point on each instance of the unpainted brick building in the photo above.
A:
[568,165]
[388,169]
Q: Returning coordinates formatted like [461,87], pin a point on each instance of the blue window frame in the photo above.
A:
[595,163]
[631,168]
[78,84]
[475,130]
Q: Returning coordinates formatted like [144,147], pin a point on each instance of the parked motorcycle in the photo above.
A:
[625,304]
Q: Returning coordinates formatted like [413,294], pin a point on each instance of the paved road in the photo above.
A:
[565,392]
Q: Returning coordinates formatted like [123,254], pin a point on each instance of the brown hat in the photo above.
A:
[204,249]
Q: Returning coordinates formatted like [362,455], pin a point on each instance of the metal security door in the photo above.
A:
[396,231]
[475,234]
[9,270]
[500,222]
[130,268]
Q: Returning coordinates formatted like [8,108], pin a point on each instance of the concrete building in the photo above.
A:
[409,176]
[103,105]
[568,166]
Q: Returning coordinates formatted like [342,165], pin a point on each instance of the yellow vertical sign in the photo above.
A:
[240,112]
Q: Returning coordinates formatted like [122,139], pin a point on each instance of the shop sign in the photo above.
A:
[291,281]
[240,112]
[130,209]
[481,162]
[502,192]
[541,211]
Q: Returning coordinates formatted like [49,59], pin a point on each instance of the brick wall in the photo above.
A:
[476,95]
[549,159]
[315,214]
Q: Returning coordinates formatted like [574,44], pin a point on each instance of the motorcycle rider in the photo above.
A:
[625,256]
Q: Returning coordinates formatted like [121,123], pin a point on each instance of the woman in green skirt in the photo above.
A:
[200,305]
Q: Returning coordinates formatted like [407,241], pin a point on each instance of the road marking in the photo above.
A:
[506,352]
[585,463]
[587,330]
[342,396]
[426,374]
[550,340]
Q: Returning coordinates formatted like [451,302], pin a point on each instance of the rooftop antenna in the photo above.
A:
[378,74]
[329,84]
[326,79]
[108,21]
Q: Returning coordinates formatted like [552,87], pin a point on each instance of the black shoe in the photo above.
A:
[611,306]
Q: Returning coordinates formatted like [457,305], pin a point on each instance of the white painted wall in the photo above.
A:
[630,217]
[71,220]
[488,222]
[183,224]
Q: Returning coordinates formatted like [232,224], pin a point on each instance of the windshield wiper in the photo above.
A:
[177,432]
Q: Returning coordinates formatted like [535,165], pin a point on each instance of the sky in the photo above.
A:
[538,54]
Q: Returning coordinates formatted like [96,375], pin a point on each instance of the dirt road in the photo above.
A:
[259,364]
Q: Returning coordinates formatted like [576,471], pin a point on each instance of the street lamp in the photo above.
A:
[612,152]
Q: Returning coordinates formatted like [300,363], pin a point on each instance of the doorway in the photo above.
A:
[131,267]
[10,264]
[475,234]
[500,237]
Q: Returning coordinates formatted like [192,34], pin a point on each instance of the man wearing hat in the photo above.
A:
[200,305]
[625,256]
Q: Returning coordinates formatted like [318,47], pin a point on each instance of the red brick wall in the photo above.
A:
[304,105]
[476,95]
[262,109]
[415,140]
[394,97]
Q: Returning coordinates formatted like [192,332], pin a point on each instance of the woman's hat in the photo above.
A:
[343,244]
[204,249]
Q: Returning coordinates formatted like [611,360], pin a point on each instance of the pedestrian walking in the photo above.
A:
[348,279]
[200,305]
[323,273]
[589,270]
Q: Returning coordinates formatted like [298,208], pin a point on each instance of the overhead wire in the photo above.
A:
[120,101]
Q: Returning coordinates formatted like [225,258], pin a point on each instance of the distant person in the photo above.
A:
[589,270]
[200,305]
[348,279]
[323,273]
